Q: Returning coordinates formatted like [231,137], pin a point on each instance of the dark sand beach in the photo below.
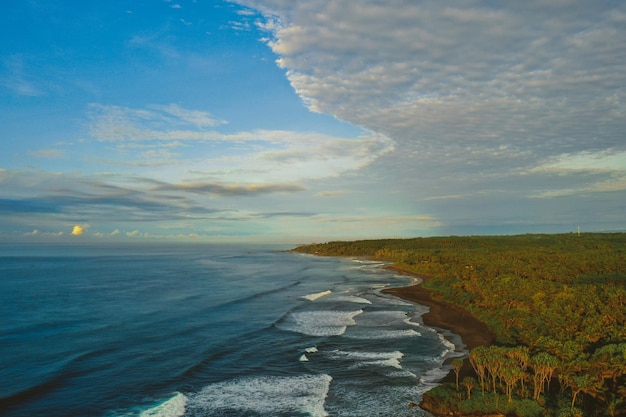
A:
[447,316]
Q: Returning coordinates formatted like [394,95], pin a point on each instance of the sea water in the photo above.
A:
[207,330]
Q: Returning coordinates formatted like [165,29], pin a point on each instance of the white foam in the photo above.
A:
[382,318]
[352,299]
[304,394]
[312,349]
[450,347]
[411,323]
[363,358]
[379,401]
[434,375]
[372,334]
[402,374]
[319,322]
[174,407]
[303,358]
[317,295]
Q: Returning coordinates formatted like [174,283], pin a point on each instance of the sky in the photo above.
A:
[308,121]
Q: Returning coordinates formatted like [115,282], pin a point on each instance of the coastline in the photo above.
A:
[443,315]
[454,318]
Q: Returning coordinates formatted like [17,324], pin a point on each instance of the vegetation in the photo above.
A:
[557,304]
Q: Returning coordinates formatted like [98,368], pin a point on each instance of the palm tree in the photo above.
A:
[456,365]
[469,384]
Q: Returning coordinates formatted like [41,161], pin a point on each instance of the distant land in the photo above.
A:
[555,305]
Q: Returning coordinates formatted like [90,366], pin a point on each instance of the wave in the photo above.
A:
[256,295]
[352,299]
[318,322]
[382,318]
[372,334]
[449,346]
[361,358]
[317,295]
[434,375]
[264,395]
[174,407]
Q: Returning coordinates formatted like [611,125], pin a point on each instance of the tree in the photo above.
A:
[456,365]
[583,383]
[511,376]
[469,383]
[544,366]
[477,360]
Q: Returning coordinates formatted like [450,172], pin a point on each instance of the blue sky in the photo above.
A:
[284,121]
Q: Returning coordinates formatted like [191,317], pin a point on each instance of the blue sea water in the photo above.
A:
[207,330]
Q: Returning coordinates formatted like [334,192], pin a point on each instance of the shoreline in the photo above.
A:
[447,316]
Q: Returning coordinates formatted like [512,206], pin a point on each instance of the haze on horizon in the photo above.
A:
[284,121]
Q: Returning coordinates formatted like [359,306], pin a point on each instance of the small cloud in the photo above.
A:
[332,193]
[35,232]
[246,12]
[47,153]
[115,232]
[19,80]
[134,233]
[230,190]
[239,25]
[602,161]
[445,197]
[176,6]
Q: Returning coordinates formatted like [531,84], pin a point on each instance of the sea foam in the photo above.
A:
[382,318]
[450,347]
[352,299]
[270,395]
[319,322]
[374,334]
[174,407]
[317,295]
[361,358]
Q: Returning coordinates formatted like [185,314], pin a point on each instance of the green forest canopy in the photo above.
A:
[561,298]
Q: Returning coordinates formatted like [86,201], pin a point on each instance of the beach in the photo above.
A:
[447,316]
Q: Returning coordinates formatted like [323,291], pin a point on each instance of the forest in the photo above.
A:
[556,302]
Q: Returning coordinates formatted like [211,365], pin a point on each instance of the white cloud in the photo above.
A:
[436,77]
[479,98]
[47,153]
[599,161]
[259,156]
[18,80]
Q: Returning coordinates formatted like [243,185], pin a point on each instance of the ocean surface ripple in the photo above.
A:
[207,330]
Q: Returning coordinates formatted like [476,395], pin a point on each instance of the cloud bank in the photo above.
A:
[490,98]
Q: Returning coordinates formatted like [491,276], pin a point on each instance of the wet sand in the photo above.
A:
[456,319]
[447,316]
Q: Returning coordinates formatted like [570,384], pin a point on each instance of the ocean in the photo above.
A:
[208,330]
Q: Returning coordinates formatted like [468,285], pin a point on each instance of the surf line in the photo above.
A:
[317,295]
